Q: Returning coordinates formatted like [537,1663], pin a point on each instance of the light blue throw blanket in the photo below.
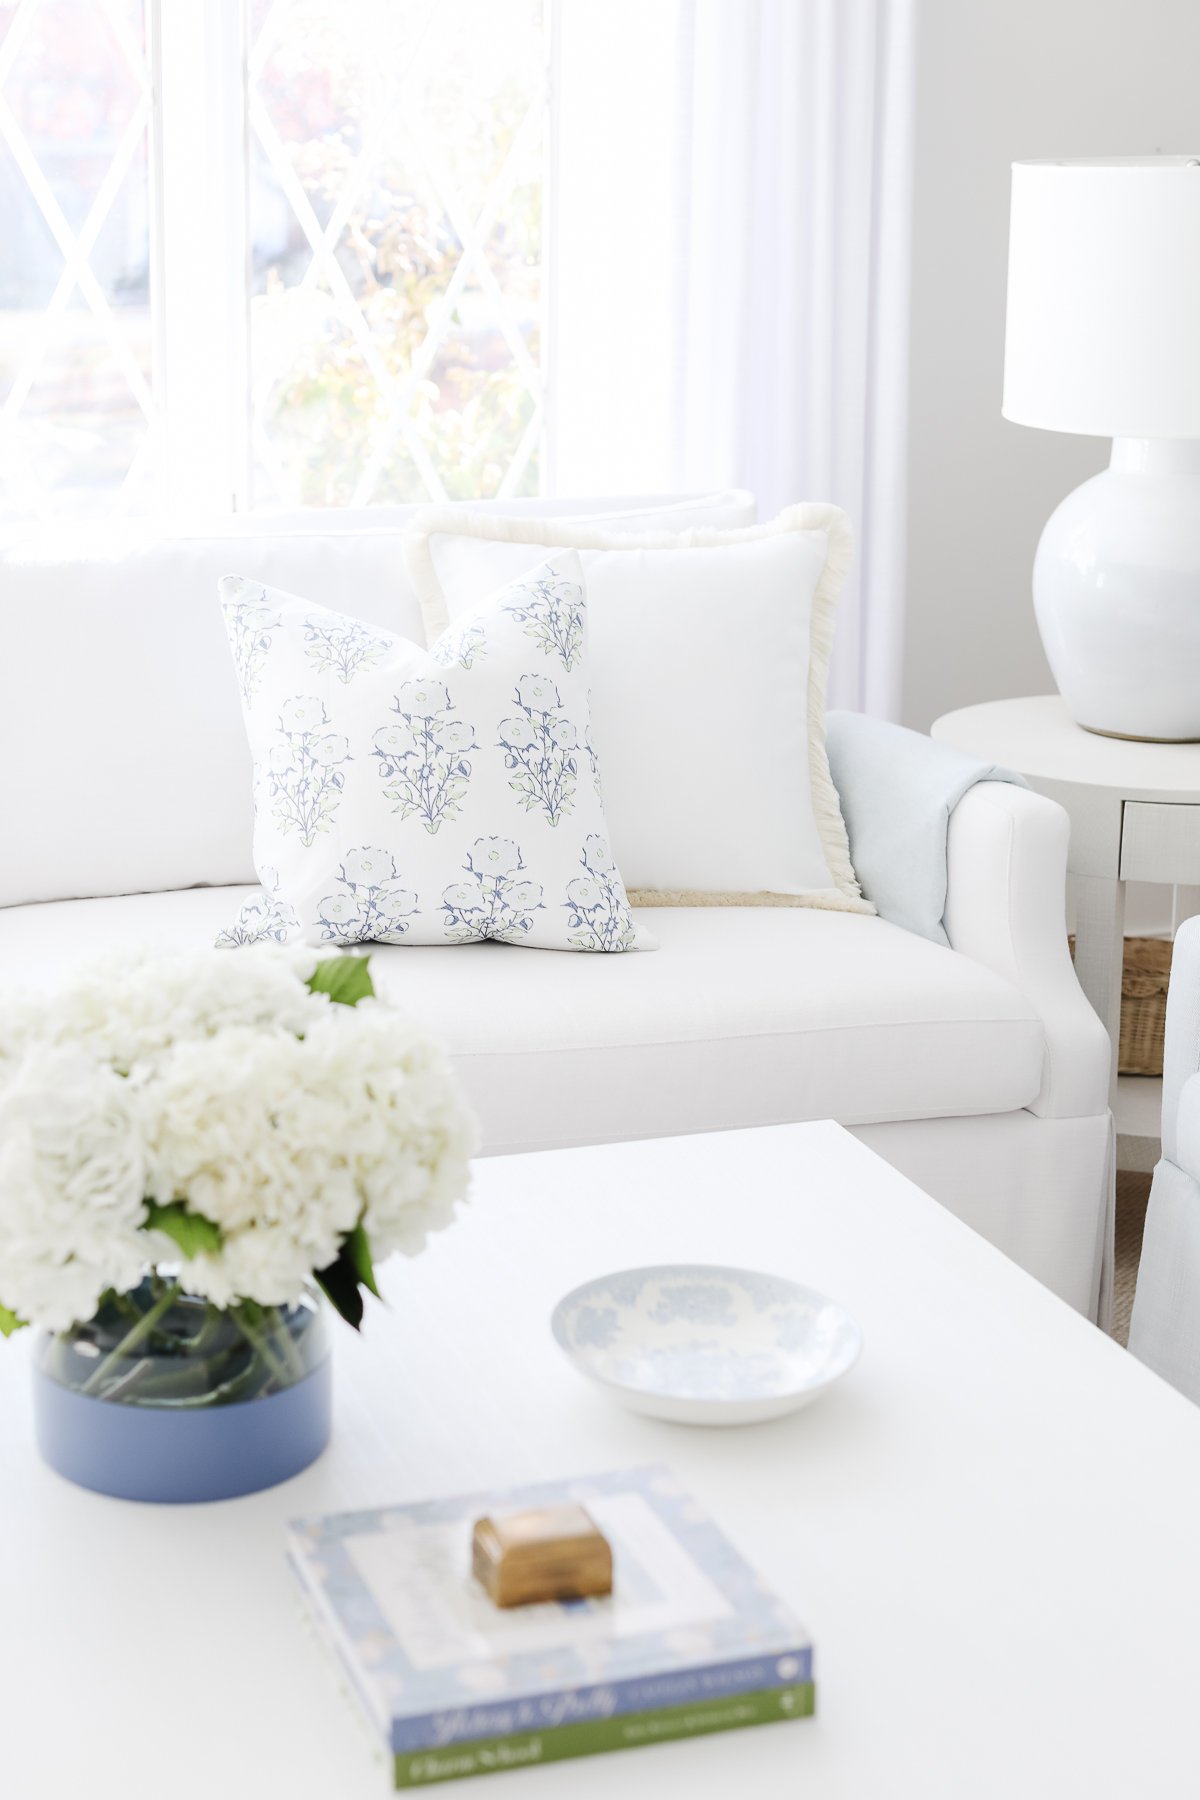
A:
[898,790]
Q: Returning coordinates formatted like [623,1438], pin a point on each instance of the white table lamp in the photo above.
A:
[1104,339]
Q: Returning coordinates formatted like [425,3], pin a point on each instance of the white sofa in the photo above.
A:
[979,1070]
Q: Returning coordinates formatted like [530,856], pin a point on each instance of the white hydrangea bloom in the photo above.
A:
[220,1082]
[285,1144]
[72,1186]
[411,1136]
[135,1007]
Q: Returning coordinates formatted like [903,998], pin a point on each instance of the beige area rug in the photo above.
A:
[1133,1191]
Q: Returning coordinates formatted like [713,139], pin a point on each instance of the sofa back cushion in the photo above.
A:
[127,769]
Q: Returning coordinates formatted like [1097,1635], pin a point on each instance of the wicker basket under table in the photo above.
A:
[1144,976]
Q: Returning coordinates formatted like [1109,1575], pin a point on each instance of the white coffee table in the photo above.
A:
[990,1527]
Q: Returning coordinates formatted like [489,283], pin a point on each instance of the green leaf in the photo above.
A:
[358,1249]
[340,1283]
[346,979]
[191,1231]
[9,1322]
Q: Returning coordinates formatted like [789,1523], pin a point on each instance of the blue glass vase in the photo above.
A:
[165,1397]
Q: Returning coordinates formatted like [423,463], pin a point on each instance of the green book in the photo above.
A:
[485,1756]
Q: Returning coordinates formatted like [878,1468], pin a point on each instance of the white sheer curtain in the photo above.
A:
[732,221]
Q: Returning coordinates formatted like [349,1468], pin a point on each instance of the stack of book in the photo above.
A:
[690,1641]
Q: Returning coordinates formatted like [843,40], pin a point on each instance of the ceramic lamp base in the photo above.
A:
[162,1454]
[1116,588]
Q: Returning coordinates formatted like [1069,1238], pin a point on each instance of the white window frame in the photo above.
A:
[202,119]
[200,254]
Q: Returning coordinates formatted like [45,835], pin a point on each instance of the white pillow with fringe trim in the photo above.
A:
[709,651]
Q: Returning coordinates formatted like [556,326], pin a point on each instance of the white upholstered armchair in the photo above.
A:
[1165,1330]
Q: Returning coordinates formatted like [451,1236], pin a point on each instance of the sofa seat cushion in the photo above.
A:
[744,1016]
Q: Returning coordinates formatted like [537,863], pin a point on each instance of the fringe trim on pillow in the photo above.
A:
[831,827]
[825,899]
[804,516]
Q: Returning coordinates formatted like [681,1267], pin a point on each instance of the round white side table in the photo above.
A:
[1135,816]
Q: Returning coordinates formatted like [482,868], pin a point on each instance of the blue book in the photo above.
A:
[435,1664]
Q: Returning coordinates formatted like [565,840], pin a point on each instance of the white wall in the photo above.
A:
[998,80]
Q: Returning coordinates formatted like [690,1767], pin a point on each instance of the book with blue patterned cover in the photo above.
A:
[436,1665]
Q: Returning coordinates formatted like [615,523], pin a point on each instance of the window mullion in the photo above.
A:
[201,257]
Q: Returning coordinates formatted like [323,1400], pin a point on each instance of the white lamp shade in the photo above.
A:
[1104,297]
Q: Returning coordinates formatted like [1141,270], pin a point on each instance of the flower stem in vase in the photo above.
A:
[249,1318]
[132,1338]
[281,1330]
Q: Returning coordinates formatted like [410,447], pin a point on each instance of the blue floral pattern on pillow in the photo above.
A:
[600,917]
[250,620]
[551,610]
[342,647]
[540,745]
[304,769]
[423,760]
[264,919]
[373,906]
[493,902]
[461,645]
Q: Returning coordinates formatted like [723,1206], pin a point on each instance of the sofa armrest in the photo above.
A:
[1181,1051]
[1006,908]
[898,790]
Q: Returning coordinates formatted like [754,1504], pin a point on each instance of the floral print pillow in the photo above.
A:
[406,796]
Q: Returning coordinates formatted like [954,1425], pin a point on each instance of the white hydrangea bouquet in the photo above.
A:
[188,1141]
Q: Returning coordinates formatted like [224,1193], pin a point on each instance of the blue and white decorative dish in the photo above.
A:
[702,1344]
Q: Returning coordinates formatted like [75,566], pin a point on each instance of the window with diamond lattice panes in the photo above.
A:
[396,218]
[75,330]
